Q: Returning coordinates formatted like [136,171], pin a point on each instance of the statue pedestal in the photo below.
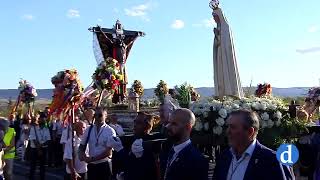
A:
[126,117]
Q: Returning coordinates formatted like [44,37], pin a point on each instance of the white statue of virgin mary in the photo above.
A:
[226,75]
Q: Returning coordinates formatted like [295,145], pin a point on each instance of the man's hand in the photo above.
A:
[74,175]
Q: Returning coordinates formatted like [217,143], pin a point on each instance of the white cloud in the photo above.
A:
[140,11]
[28,17]
[309,50]
[313,29]
[73,13]
[99,20]
[207,23]
[177,24]
[115,10]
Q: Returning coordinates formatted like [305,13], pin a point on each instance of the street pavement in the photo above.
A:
[21,172]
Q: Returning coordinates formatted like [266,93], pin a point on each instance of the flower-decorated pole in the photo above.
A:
[66,94]
[27,95]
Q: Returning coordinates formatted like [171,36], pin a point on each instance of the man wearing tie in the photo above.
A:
[184,160]
[247,159]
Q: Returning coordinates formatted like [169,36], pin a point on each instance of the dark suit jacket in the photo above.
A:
[189,165]
[263,165]
[143,168]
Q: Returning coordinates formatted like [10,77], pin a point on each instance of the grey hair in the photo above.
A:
[249,118]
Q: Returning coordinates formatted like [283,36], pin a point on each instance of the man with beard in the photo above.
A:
[184,160]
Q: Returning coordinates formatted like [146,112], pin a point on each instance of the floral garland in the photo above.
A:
[107,76]
[27,92]
[211,116]
[137,87]
[161,90]
[67,91]
[263,90]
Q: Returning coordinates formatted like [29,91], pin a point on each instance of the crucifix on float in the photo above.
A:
[115,43]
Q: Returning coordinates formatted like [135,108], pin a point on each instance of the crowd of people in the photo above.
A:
[95,147]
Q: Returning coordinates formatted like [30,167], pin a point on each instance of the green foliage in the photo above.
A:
[183,94]
[161,90]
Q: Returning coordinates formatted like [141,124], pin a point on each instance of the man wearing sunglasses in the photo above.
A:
[96,137]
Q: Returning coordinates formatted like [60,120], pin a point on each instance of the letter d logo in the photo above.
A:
[287,154]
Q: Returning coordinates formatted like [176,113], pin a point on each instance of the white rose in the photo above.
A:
[265,116]
[255,105]
[223,113]
[235,106]
[206,126]
[246,106]
[220,121]
[198,126]
[270,123]
[278,115]
[263,124]
[217,130]
[278,123]
[272,107]
[263,106]
[205,114]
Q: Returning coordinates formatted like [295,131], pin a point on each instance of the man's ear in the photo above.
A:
[251,132]
[189,127]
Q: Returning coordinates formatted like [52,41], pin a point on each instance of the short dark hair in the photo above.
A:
[250,119]
[147,118]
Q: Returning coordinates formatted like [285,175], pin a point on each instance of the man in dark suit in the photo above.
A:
[184,161]
[247,159]
[135,159]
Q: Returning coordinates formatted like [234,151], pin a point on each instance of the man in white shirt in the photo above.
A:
[76,169]
[114,124]
[100,151]
[39,137]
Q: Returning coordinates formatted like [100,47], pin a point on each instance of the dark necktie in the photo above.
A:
[170,156]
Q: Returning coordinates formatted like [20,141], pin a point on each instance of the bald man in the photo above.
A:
[184,160]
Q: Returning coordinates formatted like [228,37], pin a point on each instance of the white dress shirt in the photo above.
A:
[41,135]
[178,148]
[118,128]
[237,168]
[98,141]
[58,127]
[80,166]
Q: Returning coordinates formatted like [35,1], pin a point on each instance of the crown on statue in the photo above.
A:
[214,4]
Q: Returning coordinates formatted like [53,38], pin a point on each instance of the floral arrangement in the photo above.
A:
[27,92]
[195,96]
[137,87]
[161,90]
[211,117]
[183,95]
[107,76]
[67,91]
[263,90]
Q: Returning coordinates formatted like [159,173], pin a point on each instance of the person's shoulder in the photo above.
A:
[109,129]
[264,150]
[193,152]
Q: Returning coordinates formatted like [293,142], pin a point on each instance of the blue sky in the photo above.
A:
[276,41]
